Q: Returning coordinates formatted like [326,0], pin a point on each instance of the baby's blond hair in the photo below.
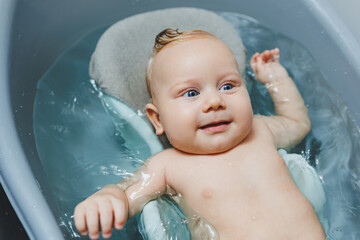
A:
[169,37]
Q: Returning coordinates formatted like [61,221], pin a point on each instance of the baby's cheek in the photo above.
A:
[180,124]
[173,133]
[180,140]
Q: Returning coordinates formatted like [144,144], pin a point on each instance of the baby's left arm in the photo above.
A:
[291,122]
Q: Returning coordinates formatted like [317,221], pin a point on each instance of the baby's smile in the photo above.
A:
[216,127]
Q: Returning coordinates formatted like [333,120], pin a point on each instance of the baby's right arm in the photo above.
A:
[114,204]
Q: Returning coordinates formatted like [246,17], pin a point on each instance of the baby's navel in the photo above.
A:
[207,193]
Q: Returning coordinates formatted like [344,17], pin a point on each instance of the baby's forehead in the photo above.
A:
[178,59]
[184,57]
[204,45]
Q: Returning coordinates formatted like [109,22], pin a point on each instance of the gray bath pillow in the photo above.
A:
[121,55]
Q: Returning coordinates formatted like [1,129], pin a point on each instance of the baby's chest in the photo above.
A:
[207,181]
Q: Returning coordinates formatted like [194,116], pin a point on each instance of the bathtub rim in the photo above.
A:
[29,203]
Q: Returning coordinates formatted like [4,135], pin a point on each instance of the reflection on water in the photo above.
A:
[83,144]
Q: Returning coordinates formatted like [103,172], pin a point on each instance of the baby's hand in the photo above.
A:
[106,208]
[266,66]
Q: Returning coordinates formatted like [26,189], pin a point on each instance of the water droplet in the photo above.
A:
[185,220]
[140,113]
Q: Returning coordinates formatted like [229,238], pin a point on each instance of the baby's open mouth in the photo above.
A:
[216,126]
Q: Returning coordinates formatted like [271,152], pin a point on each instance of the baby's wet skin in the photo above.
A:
[229,195]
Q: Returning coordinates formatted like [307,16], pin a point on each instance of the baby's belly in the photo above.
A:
[278,215]
[263,209]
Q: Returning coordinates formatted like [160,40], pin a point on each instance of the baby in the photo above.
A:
[224,161]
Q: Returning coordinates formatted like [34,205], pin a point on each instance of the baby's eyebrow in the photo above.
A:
[227,74]
[191,81]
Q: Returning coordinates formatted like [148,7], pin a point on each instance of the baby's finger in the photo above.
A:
[253,61]
[254,57]
[275,55]
[79,219]
[120,214]
[106,219]
[266,56]
[253,66]
[92,220]
[277,51]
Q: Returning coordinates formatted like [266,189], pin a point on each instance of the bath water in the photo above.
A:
[84,144]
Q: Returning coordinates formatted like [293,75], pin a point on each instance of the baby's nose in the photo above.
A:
[213,102]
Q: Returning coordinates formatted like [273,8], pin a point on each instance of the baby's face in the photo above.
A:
[199,97]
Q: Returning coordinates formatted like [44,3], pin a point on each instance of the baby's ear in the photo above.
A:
[153,115]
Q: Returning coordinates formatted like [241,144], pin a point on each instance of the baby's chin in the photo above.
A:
[207,147]
[205,150]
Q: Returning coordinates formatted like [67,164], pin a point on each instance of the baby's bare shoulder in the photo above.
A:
[260,130]
[260,126]
[165,156]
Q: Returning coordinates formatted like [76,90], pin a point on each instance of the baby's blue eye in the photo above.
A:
[226,87]
[191,93]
